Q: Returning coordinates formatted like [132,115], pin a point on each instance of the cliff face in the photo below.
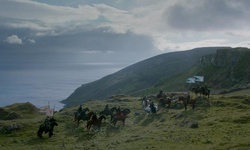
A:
[226,57]
[229,66]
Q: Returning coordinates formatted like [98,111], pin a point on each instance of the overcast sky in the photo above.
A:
[118,30]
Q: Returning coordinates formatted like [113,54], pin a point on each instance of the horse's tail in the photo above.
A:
[39,132]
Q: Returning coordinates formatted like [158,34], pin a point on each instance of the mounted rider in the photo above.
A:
[188,97]
[160,94]
[205,86]
[152,107]
[94,117]
[79,109]
[106,107]
[118,111]
[47,122]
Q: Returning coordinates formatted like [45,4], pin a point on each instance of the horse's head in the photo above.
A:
[91,113]
[86,109]
[52,120]
[54,124]
[113,109]
[126,111]
[102,117]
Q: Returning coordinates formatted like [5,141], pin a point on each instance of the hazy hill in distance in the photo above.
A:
[140,76]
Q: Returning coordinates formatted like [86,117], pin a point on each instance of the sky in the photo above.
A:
[125,31]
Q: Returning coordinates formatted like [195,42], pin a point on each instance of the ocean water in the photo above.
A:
[47,83]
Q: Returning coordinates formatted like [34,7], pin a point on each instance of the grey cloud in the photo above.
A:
[207,15]
[97,40]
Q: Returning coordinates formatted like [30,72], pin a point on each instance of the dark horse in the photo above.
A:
[108,112]
[196,90]
[45,129]
[202,90]
[187,100]
[78,113]
[97,122]
[205,91]
[120,116]
[84,116]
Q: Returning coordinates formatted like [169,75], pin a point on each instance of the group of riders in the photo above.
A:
[166,99]
[94,116]
[47,122]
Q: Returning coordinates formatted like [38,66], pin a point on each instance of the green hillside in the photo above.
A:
[226,70]
[18,111]
[140,76]
[221,123]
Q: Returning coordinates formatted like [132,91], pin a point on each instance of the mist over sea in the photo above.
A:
[47,83]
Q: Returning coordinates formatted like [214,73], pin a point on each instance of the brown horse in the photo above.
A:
[84,116]
[120,116]
[164,101]
[187,100]
[97,122]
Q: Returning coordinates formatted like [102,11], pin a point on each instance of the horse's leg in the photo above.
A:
[78,122]
[123,122]
[90,125]
[50,133]
[114,122]
[39,133]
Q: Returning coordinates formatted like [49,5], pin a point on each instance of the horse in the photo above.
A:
[108,112]
[186,100]
[163,101]
[202,90]
[97,122]
[205,91]
[84,116]
[44,128]
[151,108]
[196,90]
[120,116]
[78,113]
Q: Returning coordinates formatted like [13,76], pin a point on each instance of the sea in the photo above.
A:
[48,83]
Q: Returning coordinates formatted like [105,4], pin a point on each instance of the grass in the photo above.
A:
[223,123]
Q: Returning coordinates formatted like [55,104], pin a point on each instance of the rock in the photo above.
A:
[193,125]
[178,116]
[137,113]
[12,127]
[162,120]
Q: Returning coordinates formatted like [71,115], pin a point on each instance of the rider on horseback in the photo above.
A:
[47,122]
[107,107]
[188,97]
[205,86]
[94,117]
[118,111]
[79,109]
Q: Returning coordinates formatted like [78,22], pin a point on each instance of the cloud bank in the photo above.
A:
[138,25]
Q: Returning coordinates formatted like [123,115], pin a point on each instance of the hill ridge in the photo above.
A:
[141,75]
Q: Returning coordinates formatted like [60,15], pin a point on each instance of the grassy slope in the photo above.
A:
[223,124]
